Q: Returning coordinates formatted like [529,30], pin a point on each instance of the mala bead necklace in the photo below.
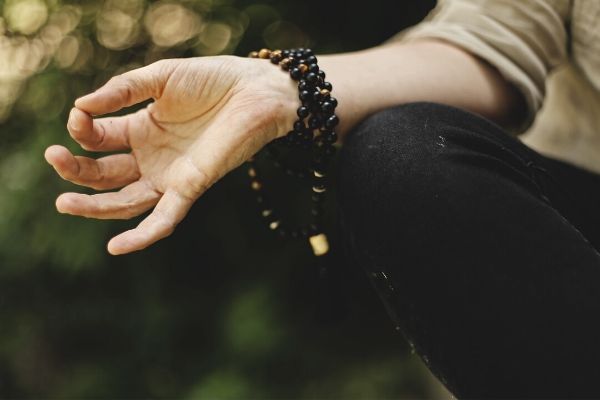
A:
[313,132]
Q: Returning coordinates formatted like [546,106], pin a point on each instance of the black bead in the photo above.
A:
[302,111]
[305,95]
[285,53]
[313,68]
[275,59]
[319,205]
[314,228]
[295,73]
[321,74]
[318,141]
[333,101]
[332,121]
[318,197]
[315,212]
[326,85]
[315,107]
[299,126]
[298,55]
[319,165]
[311,77]
[303,85]
[324,158]
[294,233]
[302,61]
[331,138]
[311,59]
[289,139]
[281,232]
[314,122]
[308,52]
[327,107]
[317,96]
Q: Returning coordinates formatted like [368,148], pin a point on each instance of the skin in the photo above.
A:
[211,114]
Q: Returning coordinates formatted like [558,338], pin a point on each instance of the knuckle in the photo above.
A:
[130,211]
[124,87]
[194,181]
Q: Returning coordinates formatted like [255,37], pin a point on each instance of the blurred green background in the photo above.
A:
[219,310]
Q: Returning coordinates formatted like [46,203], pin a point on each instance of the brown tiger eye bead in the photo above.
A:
[303,68]
[264,53]
[275,59]
[276,53]
[285,63]
[325,92]
[253,54]
[256,185]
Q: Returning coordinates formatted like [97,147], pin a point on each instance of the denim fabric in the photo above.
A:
[483,250]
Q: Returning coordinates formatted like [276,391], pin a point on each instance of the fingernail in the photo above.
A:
[71,122]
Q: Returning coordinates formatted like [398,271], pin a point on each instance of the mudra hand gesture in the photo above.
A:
[209,115]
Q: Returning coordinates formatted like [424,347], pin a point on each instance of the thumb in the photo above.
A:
[128,89]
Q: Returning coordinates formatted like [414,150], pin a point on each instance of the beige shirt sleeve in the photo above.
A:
[523,39]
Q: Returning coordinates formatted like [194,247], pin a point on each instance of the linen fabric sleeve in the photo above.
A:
[523,39]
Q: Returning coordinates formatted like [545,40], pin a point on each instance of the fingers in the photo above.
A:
[129,202]
[108,172]
[169,211]
[104,134]
[127,89]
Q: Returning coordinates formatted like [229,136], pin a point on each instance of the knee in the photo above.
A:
[389,150]
[394,165]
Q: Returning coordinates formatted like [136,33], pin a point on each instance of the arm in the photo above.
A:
[211,114]
[422,70]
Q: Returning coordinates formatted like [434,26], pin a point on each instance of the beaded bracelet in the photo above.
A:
[313,132]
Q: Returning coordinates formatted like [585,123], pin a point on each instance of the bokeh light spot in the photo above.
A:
[25,16]
[171,24]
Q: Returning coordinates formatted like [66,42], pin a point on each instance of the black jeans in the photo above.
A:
[483,250]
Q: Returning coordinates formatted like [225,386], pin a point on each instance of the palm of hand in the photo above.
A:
[209,116]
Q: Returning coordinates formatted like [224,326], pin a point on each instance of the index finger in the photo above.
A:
[128,89]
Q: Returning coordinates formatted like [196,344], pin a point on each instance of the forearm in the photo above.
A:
[425,70]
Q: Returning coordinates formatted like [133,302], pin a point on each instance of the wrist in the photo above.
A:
[347,109]
[281,91]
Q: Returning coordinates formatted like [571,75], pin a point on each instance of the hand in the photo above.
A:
[210,115]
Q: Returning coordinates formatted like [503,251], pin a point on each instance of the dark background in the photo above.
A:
[221,309]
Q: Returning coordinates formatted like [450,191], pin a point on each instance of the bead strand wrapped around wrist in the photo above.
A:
[313,132]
